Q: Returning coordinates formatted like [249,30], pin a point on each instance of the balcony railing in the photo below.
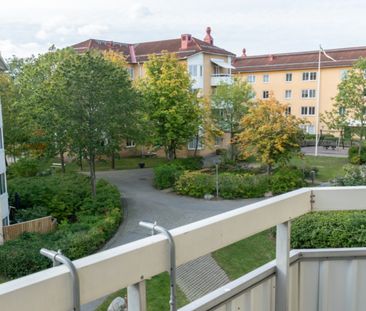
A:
[220,78]
[131,264]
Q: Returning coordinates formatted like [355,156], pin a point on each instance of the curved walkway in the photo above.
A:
[144,202]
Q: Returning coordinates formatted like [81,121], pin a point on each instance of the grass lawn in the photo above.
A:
[157,295]
[329,167]
[121,164]
[246,255]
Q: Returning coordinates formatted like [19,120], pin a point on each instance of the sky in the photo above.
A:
[260,26]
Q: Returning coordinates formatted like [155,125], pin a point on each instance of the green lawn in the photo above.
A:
[246,255]
[121,164]
[329,167]
[157,295]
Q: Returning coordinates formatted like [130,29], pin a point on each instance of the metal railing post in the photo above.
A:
[282,266]
[57,259]
[136,297]
[173,269]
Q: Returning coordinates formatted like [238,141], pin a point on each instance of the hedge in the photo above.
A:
[95,222]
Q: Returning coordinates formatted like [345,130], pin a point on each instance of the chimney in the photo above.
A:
[132,53]
[270,57]
[185,40]
[244,53]
[208,39]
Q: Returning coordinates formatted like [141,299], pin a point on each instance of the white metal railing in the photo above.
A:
[216,79]
[221,75]
[130,264]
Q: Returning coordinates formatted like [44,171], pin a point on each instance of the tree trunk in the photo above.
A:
[113,161]
[91,162]
[80,161]
[232,147]
[62,159]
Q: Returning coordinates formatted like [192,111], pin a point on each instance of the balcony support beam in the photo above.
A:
[282,266]
[136,296]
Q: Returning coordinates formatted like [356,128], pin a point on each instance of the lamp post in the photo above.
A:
[217,162]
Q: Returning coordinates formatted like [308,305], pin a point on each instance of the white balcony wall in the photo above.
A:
[221,78]
[198,61]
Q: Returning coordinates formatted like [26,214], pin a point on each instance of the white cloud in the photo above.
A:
[9,48]
[92,30]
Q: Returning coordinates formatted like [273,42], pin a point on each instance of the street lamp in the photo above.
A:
[217,162]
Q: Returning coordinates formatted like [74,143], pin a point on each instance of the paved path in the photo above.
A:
[144,202]
[339,152]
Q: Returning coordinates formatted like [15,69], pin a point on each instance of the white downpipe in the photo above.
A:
[317,106]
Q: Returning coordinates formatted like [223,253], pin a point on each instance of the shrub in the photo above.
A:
[195,184]
[25,167]
[354,176]
[96,223]
[286,179]
[354,157]
[190,164]
[329,229]
[166,175]
[242,186]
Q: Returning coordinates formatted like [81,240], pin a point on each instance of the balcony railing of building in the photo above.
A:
[297,281]
[219,78]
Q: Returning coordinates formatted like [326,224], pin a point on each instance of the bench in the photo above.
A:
[56,165]
[329,144]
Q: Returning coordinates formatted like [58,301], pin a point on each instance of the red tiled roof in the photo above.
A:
[300,60]
[143,49]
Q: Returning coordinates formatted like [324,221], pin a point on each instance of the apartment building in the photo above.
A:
[207,64]
[4,208]
[292,78]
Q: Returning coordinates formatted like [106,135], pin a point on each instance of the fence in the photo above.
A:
[40,225]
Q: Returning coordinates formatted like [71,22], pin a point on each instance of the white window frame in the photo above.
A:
[308,93]
[2,184]
[263,94]
[288,74]
[218,141]
[192,143]
[343,74]
[251,78]
[288,111]
[266,78]
[1,139]
[309,76]
[131,72]
[307,110]
[288,92]
[193,70]
[130,143]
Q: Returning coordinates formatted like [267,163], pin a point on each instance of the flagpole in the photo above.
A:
[317,105]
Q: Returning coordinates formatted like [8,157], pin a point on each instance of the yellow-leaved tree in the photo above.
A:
[269,134]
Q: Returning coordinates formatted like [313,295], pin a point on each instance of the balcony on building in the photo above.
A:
[297,280]
[221,72]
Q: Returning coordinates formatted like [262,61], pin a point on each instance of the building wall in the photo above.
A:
[277,86]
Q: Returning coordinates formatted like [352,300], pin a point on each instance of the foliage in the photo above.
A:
[96,223]
[269,134]
[355,175]
[355,156]
[195,184]
[329,229]
[191,164]
[350,102]
[166,175]
[242,186]
[287,179]
[25,167]
[229,105]
[174,115]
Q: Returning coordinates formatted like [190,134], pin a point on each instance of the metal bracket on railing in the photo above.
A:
[57,259]
[155,228]
[312,199]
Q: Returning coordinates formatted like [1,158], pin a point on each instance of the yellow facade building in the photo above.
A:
[292,78]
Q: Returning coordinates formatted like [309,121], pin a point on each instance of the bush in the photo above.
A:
[329,229]
[354,176]
[25,167]
[242,186]
[195,184]
[97,220]
[286,179]
[353,156]
[190,164]
[166,175]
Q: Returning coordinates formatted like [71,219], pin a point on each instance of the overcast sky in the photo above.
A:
[261,26]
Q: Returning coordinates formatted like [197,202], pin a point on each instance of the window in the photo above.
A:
[2,183]
[307,110]
[131,73]
[288,77]
[218,140]
[1,138]
[265,78]
[5,221]
[344,74]
[308,128]
[130,143]
[196,141]
[309,93]
[342,111]
[306,76]
[288,94]
[265,94]
[288,110]
[193,70]
[251,79]
[201,70]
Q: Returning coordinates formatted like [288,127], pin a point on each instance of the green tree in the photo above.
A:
[269,134]
[173,112]
[229,105]
[349,108]
[103,104]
